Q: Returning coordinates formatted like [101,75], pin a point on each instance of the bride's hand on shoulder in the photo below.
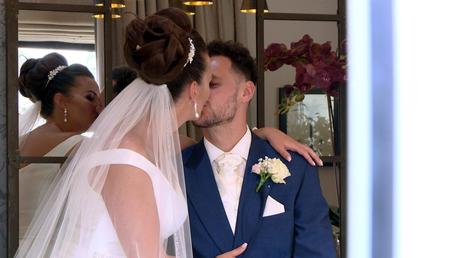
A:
[283,143]
[235,252]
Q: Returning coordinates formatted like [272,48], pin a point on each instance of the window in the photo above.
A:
[85,57]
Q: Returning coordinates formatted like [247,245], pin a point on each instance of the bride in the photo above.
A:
[121,194]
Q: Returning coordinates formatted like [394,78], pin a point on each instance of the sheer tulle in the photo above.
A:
[28,121]
[110,197]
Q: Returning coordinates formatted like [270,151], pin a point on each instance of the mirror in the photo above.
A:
[80,38]
[310,121]
[302,6]
[69,34]
[72,35]
[66,2]
[286,32]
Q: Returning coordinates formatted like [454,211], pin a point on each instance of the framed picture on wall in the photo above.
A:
[310,122]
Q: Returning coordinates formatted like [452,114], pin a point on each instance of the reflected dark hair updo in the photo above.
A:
[33,80]
[158,47]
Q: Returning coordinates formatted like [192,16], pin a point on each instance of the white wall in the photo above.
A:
[427,129]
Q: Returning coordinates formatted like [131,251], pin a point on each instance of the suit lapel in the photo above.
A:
[205,198]
[252,203]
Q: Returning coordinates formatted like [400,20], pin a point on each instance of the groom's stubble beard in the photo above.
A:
[215,116]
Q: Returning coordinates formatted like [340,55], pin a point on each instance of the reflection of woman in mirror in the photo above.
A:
[67,99]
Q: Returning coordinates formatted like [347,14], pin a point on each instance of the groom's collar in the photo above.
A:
[241,148]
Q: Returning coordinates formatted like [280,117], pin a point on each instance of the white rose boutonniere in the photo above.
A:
[270,168]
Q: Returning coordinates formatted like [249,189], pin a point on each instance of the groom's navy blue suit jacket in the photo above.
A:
[303,230]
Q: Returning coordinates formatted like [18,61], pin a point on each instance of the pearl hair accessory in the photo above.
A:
[191,54]
[54,72]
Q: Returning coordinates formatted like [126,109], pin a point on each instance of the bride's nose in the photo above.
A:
[99,106]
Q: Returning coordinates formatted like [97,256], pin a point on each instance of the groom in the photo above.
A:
[225,210]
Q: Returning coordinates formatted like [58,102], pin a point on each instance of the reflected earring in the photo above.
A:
[65,115]
[195,107]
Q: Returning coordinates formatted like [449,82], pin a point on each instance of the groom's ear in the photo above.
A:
[248,91]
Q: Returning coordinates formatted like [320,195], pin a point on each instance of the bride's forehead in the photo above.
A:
[85,83]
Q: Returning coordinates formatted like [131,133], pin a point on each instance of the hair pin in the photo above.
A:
[191,53]
[54,72]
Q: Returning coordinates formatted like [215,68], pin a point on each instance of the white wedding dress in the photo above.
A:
[35,179]
[172,207]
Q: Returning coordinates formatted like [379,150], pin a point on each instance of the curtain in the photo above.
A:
[36,26]
[222,20]
[55,26]
[139,8]
[134,8]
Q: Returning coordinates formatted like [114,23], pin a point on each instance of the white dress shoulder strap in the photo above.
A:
[121,157]
[171,203]
[63,148]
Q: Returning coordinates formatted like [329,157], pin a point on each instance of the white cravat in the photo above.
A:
[228,169]
[229,180]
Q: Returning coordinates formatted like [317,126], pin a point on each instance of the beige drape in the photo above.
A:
[218,21]
[139,8]
[36,26]
[222,21]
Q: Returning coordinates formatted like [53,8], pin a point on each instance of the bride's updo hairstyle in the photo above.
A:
[158,48]
[34,83]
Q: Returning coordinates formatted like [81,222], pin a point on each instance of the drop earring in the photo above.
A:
[195,107]
[65,115]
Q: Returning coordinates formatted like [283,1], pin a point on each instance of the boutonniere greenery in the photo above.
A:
[270,168]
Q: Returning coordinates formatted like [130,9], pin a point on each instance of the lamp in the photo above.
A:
[114,3]
[116,14]
[198,3]
[118,4]
[250,6]
[99,2]
[188,9]
[101,16]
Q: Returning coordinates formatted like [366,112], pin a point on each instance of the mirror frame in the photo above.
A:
[338,161]
[13,156]
[12,8]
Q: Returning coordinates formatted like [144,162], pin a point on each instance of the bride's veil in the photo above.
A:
[66,225]
[29,120]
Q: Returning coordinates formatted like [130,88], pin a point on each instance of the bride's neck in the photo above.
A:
[182,112]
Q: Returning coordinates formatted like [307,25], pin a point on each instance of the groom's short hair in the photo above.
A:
[239,55]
